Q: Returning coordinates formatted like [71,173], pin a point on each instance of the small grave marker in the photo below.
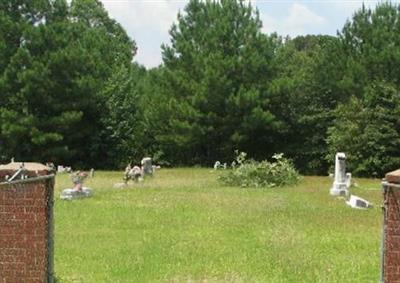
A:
[78,191]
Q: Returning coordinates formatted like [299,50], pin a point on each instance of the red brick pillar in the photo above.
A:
[26,247]
[391,236]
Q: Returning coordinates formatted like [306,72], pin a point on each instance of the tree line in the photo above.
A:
[71,94]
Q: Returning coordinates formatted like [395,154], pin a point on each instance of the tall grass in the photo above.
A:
[183,226]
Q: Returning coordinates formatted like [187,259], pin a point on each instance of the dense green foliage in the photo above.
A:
[368,130]
[217,70]
[70,93]
[304,97]
[52,77]
[122,93]
[367,126]
[250,173]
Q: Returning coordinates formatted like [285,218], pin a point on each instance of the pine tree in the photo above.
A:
[53,77]
[217,69]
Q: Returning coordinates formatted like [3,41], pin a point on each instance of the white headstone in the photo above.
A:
[348,180]
[147,167]
[340,183]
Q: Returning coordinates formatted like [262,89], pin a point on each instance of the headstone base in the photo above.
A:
[71,194]
[339,190]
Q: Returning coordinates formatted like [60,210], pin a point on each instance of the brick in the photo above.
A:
[392,224]
[23,232]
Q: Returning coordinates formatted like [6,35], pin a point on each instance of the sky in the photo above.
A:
[148,21]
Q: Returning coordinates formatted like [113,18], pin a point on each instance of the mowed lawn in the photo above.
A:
[183,226]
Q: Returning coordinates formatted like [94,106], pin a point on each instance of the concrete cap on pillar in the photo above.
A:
[32,169]
[393,177]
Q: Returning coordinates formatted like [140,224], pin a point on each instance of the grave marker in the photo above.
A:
[341,179]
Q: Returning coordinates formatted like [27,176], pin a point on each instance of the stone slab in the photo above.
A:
[71,194]
[359,203]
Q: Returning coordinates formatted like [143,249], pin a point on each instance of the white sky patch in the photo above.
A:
[154,15]
[298,22]
[147,22]
[354,5]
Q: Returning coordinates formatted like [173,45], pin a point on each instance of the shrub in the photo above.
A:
[251,173]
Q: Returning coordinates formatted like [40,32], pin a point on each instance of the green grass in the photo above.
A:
[183,226]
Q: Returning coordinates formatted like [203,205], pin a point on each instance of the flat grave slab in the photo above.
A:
[71,194]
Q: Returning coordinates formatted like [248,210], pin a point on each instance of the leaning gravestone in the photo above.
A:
[359,203]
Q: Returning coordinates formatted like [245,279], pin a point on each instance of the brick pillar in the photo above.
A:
[391,232]
[26,247]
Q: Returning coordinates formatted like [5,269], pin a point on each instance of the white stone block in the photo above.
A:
[147,168]
[70,194]
[359,203]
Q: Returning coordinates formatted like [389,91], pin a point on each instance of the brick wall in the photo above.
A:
[391,240]
[26,230]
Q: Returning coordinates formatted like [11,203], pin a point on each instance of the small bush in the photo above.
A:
[251,173]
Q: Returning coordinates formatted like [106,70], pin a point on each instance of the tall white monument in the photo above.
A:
[341,181]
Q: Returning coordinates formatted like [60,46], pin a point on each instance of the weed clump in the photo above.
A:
[251,173]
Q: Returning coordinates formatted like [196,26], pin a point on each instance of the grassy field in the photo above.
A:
[183,226]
